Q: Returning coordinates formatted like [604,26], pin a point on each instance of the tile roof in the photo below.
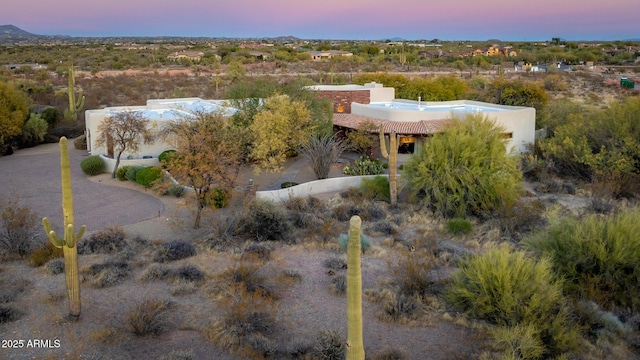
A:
[423,127]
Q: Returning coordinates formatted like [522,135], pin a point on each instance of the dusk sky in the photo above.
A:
[508,20]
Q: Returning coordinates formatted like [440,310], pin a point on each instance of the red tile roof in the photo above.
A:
[422,127]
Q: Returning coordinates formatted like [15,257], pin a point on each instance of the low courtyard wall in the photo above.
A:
[312,188]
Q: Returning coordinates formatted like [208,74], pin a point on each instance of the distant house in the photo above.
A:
[495,50]
[264,56]
[328,54]
[194,56]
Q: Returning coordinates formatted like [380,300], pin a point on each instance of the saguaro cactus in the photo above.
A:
[355,346]
[74,105]
[392,155]
[68,242]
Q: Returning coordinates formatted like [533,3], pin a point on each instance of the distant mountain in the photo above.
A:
[11,30]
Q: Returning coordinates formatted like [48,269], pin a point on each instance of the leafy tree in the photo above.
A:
[14,110]
[322,152]
[464,170]
[207,157]
[281,126]
[34,130]
[124,131]
[235,72]
[361,139]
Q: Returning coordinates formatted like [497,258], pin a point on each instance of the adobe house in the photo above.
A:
[416,121]
[158,112]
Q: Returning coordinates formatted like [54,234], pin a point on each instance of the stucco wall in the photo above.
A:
[314,188]
[111,163]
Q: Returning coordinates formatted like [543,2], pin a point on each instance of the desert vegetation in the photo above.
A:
[485,254]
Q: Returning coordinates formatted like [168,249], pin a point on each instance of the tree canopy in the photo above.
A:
[124,131]
[207,157]
[281,126]
[14,111]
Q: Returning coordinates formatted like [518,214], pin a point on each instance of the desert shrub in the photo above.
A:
[11,288]
[256,252]
[148,175]
[55,266]
[121,173]
[175,250]
[176,191]
[224,232]
[165,157]
[149,317]
[109,273]
[106,241]
[190,273]
[80,143]
[520,341]
[459,226]
[330,346]
[411,272]
[365,243]
[599,324]
[384,227]
[465,170]
[364,166]
[510,288]
[245,326]
[376,188]
[132,171]
[251,278]
[265,220]
[93,165]
[399,306]
[597,256]
[44,253]
[20,229]
[219,198]
[335,263]
[339,284]
[155,272]
[9,314]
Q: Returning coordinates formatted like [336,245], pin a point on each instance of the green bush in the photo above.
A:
[132,171]
[219,198]
[512,289]
[146,176]
[165,157]
[364,166]
[93,165]
[376,188]
[176,191]
[598,257]
[459,226]
[121,173]
[465,170]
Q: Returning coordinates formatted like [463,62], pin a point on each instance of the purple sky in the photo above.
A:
[331,19]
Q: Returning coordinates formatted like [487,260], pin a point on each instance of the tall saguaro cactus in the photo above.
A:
[71,238]
[74,105]
[392,155]
[355,346]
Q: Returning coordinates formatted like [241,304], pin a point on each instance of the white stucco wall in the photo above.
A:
[314,188]
[518,120]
